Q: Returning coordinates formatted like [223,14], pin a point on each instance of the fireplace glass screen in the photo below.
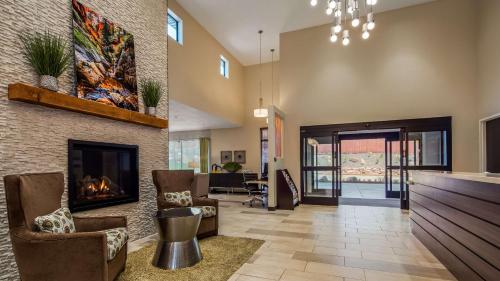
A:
[101,174]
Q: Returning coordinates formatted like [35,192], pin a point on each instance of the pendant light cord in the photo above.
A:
[260,68]
[272,76]
[346,3]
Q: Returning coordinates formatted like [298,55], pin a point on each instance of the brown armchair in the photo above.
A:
[78,256]
[182,180]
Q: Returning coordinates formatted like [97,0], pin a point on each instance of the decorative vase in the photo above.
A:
[150,110]
[49,82]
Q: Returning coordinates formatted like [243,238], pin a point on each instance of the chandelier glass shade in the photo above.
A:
[344,11]
[260,112]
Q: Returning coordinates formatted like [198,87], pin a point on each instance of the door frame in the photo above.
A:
[386,136]
[389,168]
[334,199]
[405,125]
[482,141]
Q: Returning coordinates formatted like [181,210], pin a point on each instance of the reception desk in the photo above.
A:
[457,217]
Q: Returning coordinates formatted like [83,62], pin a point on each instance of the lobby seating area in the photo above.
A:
[50,244]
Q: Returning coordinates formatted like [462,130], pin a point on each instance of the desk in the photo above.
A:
[228,181]
[259,182]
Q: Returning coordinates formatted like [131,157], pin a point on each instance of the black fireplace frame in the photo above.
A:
[134,196]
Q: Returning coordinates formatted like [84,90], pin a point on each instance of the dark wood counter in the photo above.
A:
[457,217]
[230,180]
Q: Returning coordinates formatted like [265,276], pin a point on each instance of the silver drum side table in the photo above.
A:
[178,246]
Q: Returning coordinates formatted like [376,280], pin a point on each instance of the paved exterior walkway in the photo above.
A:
[363,190]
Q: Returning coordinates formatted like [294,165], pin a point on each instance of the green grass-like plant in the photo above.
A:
[46,53]
[151,92]
[232,167]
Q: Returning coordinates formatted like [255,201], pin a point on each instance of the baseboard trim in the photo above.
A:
[271,209]
[145,238]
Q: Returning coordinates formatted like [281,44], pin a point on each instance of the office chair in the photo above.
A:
[255,191]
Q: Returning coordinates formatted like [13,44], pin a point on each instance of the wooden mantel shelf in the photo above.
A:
[34,95]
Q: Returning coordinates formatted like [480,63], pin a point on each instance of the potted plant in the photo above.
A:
[232,167]
[48,56]
[151,92]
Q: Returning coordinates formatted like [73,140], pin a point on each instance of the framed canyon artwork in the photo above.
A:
[104,60]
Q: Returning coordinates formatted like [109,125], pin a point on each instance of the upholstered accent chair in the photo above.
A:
[200,185]
[78,256]
[182,180]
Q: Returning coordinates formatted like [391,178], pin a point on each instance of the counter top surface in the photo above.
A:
[479,177]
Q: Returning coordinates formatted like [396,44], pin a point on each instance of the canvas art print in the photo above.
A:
[104,60]
[240,156]
[226,157]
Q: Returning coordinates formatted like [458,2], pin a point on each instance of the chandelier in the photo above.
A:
[344,11]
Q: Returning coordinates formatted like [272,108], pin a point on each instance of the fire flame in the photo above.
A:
[101,187]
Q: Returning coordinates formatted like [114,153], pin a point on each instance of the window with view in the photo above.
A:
[264,150]
[224,67]
[184,155]
[174,26]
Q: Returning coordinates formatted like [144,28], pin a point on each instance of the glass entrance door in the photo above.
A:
[414,144]
[404,185]
[396,157]
[393,167]
[320,169]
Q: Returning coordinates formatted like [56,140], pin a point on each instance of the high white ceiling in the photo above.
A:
[185,118]
[234,23]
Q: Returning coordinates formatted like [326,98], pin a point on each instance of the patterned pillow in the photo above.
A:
[181,199]
[208,211]
[116,238]
[59,221]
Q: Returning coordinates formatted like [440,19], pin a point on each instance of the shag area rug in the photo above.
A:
[222,257]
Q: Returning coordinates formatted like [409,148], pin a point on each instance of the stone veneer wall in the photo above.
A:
[34,138]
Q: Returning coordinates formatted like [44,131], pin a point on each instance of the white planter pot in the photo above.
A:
[150,111]
[49,82]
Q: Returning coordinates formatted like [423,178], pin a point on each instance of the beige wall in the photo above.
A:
[247,136]
[419,62]
[35,138]
[489,58]
[194,72]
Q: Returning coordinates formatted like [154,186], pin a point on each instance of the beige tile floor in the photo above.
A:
[319,243]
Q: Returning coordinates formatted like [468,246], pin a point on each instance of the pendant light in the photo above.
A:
[333,35]
[260,112]
[366,34]
[355,13]
[370,21]
[346,38]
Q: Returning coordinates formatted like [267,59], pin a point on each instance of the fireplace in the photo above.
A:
[101,174]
